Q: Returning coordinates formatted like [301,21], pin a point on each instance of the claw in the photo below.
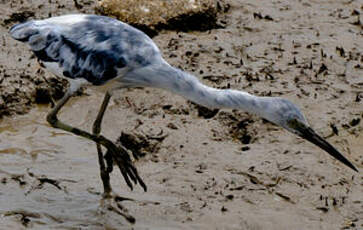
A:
[127,216]
[124,163]
[126,176]
[142,184]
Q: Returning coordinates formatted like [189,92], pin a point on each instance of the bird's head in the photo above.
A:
[287,115]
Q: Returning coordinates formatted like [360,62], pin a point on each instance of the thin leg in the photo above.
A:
[119,155]
[110,202]
[105,176]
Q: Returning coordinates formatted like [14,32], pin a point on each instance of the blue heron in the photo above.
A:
[98,50]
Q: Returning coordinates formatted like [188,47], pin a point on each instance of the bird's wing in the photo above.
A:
[90,47]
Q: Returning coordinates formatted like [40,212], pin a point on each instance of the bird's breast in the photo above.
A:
[53,67]
[113,84]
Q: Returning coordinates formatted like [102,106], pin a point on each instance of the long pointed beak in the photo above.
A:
[310,135]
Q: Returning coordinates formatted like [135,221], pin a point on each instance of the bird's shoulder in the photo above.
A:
[93,32]
[87,46]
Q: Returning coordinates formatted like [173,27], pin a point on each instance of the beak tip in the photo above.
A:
[355,169]
[346,162]
[310,135]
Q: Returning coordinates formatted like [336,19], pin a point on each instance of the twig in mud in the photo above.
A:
[25,215]
[55,183]
[286,198]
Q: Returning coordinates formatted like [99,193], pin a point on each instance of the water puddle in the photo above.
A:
[37,166]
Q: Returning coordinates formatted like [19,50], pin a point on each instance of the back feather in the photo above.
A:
[93,48]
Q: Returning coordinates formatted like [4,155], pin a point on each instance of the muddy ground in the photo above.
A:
[204,170]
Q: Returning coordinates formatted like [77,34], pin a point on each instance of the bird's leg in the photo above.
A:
[105,176]
[119,155]
[110,201]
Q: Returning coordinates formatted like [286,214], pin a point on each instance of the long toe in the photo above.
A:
[121,158]
[109,162]
[112,204]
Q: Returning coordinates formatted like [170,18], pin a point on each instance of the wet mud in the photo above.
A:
[204,169]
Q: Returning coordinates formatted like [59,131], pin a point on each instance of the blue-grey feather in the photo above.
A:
[23,31]
[93,49]
[233,99]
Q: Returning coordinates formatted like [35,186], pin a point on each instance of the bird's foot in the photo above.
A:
[121,158]
[112,203]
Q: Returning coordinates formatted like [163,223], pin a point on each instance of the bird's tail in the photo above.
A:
[23,31]
[37,35]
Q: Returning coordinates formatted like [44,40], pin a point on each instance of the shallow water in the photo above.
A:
[31,149]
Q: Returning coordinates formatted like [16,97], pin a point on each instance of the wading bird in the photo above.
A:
[98,50]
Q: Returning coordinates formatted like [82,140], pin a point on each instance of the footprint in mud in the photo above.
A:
[204,112]
[23,216]
[32,182]
[242,127]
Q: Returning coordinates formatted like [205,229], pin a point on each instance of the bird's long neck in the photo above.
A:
[188,86]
